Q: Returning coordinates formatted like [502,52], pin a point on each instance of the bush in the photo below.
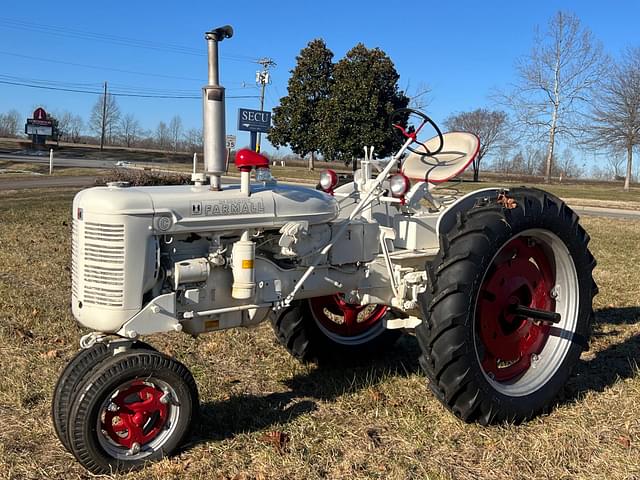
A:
[143,178]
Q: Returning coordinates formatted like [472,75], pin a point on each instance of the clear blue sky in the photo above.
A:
[461,49]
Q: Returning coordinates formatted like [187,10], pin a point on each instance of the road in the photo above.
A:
[606,212]
[88,180]
[59,161]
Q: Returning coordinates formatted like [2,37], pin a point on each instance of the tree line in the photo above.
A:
[567,91]
[121,129]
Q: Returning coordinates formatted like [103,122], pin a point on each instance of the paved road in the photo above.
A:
[606,212]
[58,161]
[46,182]
[88,180]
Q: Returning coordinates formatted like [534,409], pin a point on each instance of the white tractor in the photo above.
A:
[497,284]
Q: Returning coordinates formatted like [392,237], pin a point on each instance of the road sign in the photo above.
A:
[32,129]
[39,114]
[254,120]
[231,141]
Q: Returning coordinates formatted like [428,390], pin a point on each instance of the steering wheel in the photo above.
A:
[401,116]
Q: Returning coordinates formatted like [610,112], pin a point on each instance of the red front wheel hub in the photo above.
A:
[135,415]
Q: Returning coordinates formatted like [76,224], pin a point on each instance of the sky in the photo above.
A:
[462,50]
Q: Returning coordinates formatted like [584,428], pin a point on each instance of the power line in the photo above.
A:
[115,94]
[95,67]
[67,32]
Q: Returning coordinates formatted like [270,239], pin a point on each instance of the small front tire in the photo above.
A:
[78,369]
[137,407]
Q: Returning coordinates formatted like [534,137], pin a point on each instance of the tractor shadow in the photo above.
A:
[617,361]
[224,419]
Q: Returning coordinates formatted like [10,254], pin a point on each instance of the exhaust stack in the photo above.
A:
[214,112]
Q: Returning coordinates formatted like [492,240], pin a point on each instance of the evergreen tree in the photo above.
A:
[297,122]
[363,94]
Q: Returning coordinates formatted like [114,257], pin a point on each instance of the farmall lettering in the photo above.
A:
[227,207]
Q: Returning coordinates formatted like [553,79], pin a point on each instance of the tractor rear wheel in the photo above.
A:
[329,330]
[508,309]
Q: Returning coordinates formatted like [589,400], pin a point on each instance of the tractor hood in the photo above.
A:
[187,208]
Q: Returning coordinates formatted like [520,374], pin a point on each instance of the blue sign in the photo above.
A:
[254,120]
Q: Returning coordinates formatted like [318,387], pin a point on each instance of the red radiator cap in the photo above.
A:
[247,159]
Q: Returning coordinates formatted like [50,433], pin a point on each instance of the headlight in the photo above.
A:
[328,180]
[399,185]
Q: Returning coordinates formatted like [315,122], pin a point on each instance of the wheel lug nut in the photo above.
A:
[134,450]
[535,358]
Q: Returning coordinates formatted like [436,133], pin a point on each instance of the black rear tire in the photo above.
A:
[457,350]
[299,331]
[104,440]
[78,368]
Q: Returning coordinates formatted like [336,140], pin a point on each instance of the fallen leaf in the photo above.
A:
[277,438]
[374,435]
[50,354]
[624,441]
[25,334]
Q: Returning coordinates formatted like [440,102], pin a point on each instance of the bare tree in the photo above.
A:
[163,136]
[193,140]
[419,98]
[175,129]
[615,164]
[130,129]
[10,123]
[75,128]
[615,114]
[555,81]
[69,126]
[489,126]
[567,165]
[105,115]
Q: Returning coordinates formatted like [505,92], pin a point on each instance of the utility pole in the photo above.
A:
[104,116]
[262,79]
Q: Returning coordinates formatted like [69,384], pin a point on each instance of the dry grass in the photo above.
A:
[375,421]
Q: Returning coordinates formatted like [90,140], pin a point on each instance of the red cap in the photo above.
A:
[247,159]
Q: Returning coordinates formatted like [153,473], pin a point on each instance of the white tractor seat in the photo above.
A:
[458,151]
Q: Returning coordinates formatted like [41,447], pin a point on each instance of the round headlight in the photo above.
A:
[328,180]
[399,185]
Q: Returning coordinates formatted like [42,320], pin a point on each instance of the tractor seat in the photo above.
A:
[459,149]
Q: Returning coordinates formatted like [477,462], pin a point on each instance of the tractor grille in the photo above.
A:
[74,259]
[103,272]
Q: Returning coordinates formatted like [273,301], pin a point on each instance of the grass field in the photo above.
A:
[264,415]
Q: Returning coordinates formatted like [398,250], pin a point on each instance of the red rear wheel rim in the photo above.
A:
[138,415]
[519,274]
[345,319]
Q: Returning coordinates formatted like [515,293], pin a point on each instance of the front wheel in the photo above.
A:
[509,307]
[135,408]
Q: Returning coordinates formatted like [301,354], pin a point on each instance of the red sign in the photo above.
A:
[39,114]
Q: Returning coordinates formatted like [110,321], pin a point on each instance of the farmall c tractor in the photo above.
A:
[496,284]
